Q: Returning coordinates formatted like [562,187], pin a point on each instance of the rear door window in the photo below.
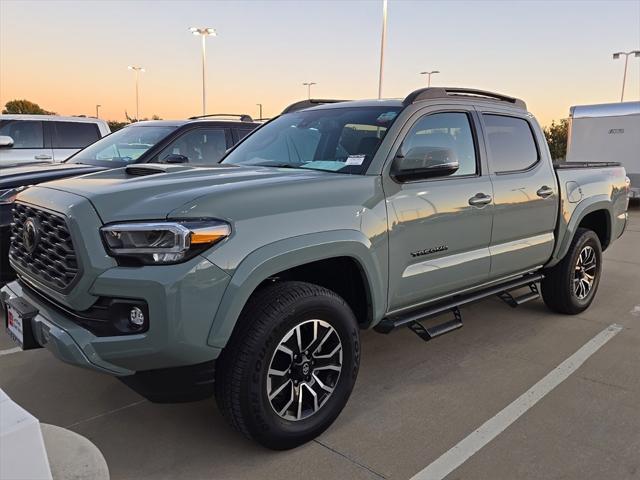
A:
[74,134]
[243,132]
[512,147]
[25,133]
[201,146]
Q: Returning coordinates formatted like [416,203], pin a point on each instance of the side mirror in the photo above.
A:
[424,162]
[6,141]
[175,158]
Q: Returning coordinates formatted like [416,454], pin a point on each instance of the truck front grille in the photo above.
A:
[42,247]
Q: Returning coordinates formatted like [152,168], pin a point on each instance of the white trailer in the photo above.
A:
[607,132]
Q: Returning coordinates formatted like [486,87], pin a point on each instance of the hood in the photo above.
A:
[41,172]
[127,194]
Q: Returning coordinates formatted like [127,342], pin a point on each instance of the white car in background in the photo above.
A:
[46,138]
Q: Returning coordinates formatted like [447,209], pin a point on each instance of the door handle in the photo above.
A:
[544,192]
[480,200]
[43,157]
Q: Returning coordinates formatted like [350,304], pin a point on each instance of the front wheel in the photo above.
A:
[570,286]
[290,366]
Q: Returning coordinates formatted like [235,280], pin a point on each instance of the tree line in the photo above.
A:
[25,107]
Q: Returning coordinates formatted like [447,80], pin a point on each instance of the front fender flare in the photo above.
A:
[292,252]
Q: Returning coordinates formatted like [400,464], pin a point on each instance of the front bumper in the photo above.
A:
[182,300]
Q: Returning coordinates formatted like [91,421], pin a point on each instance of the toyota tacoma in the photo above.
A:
[251,279]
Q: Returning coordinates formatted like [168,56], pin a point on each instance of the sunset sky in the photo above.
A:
[69,56]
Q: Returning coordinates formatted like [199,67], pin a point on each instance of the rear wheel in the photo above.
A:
[290,366]
[570,286]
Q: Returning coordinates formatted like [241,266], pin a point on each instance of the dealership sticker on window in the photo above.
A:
[355,160]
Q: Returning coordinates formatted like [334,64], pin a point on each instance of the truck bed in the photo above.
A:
[586,187]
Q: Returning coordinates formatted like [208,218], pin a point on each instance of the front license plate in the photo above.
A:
[15,326]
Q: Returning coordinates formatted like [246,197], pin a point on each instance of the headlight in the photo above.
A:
[157,243]
[9,195]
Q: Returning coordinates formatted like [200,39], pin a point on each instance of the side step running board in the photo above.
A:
[514,302]
[414,317]
[432,332]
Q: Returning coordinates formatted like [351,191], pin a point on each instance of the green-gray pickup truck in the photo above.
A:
[251,279]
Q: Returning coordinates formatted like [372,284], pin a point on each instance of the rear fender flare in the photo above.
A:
[566,234]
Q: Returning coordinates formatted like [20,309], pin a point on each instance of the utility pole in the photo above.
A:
[382,45]
[617,55]
[137,70]
[428,74]
[204,33]
[308,85]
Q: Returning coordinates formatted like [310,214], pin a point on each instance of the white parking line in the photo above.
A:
[467,447]
[10,351]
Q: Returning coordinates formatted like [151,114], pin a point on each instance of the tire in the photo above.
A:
[245,378]
[563,288]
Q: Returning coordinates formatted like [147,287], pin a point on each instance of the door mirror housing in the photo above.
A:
[175,158]
[6,141]
[421,163]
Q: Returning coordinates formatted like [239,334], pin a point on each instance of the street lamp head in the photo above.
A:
[636,53]
[205,31]
[133,67]
[617,55]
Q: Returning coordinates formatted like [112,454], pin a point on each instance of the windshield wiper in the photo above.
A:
[277,165]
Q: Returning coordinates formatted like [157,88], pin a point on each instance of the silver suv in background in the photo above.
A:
[46,138]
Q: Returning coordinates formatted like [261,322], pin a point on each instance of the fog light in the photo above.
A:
[136,317]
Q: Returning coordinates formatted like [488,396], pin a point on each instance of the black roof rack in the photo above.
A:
[313,102]
[242,116]
[438,92]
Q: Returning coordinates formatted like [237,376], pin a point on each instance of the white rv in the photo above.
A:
[607,132]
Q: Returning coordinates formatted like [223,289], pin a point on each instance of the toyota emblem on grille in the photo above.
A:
[31,235]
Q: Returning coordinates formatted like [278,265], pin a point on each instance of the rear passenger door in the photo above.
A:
[439,227]
[69,137]
[29,142]
[525,193]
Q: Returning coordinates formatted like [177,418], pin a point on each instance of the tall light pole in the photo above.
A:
[260,106]
[428,74]
[98,111]
[137,70]
[204,33]
[635,53]
[308,85]
[382,45]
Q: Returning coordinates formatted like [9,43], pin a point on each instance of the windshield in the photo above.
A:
[338,139]
[122,147]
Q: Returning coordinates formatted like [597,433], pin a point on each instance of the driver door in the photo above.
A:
[439,226]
